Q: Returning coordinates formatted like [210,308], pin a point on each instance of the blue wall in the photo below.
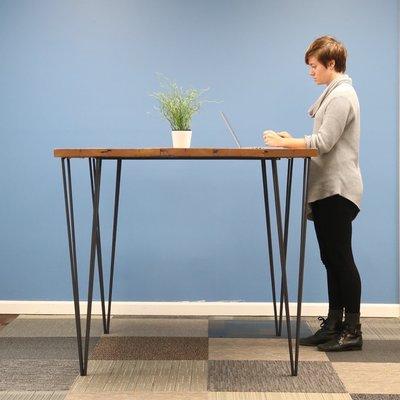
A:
[79,74]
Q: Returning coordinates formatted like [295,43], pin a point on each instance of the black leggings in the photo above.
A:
[332,221]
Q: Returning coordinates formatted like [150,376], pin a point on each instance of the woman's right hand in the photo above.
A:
[284,134]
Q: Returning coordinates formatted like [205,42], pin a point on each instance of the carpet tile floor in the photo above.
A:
[180,358]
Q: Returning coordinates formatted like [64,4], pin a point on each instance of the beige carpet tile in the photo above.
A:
[272,376]
[159,327]
[277,396]
[251,328]
[373,378]
[143,376]
[33,395]
[372,328]
[37,375]
[380,351]
[151,348]
[259,349]
[48,327]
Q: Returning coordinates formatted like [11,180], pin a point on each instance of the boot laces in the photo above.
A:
[324,321]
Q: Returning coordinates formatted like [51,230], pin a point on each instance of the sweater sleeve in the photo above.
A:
[334,121]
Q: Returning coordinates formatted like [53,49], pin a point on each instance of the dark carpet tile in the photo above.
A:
[251,328]
[151,348]
[272,376]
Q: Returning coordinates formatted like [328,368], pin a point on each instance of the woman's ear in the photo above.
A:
[331,64]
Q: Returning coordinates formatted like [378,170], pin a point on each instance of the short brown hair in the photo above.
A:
[325,49]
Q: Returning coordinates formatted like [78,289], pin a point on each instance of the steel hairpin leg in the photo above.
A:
[282,251]
[306,173]
[94,245]
[286,230]
[107,317]
[269,237]
[95,178]
[114,238]
[69,211]
[92,171]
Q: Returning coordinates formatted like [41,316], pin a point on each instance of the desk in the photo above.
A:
[97,156]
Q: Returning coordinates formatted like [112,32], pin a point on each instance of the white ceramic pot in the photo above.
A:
[181,139]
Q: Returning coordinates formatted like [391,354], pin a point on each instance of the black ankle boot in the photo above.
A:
[330,328]
[350,338]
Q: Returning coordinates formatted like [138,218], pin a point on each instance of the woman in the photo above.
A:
[335,190]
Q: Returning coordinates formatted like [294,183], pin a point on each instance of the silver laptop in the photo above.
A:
[234,135]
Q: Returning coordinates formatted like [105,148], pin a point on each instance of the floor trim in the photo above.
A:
[200,308]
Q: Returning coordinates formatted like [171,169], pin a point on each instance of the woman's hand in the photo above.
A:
[273,139]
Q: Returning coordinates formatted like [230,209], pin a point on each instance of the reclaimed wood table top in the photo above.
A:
[248,153]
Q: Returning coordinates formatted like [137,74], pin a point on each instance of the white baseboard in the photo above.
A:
[188,308]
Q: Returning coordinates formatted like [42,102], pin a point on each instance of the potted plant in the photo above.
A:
[178,106]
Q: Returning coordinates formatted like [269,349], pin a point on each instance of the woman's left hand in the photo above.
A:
[271,138]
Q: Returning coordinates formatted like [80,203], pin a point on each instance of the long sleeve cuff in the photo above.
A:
[308,141]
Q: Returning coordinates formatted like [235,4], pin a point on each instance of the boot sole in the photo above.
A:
[338,350]
[315,344]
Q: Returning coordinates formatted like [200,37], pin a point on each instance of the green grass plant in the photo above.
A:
[178,105]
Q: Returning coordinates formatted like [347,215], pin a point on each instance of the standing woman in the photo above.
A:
[335,190]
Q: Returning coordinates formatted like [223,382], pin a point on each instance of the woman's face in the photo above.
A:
[320,74]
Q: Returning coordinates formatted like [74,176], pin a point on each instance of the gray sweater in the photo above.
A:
[336,136]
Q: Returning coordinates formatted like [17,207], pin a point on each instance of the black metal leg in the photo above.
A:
[286,230]
[92,169]
[269,236]
[302,256]
[97,178]
[283,259]
[114,237]
[69,211]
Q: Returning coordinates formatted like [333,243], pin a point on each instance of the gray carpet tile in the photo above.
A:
[159,327]
[145,396]
[60,395]
[151,348]
[272,376]
[44,348]
[37,375]
[375,396]
[143,376]
[372,328]
[48,327]
[378,351]
[251,328]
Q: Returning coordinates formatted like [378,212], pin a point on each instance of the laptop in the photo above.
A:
[234,135]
